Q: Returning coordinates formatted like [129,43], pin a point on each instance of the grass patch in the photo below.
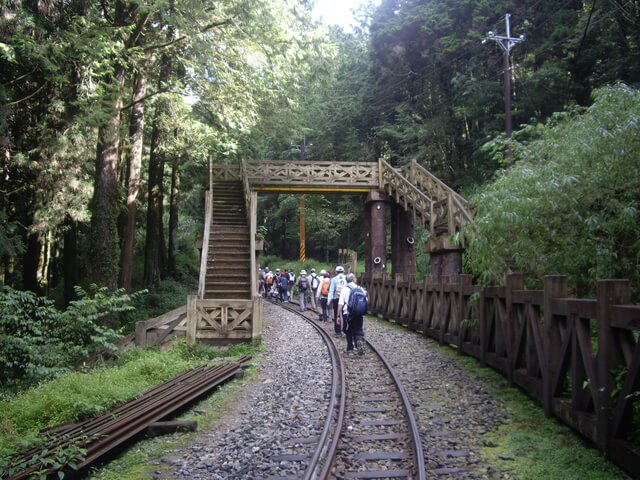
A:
[141,460]
[79,395]
[531,445]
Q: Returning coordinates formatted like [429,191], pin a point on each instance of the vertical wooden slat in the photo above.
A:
[610,292]
[482,320]
[192,320]
[514,281]
[253,216]
[555,286]
[141,334]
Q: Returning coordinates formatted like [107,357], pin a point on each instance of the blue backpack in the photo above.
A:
[357,304]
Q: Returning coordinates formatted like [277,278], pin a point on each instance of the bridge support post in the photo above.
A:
[445,258]
[402,242]
[376,237]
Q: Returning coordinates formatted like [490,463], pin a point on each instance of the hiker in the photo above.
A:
[337,284]
[303,286]
[261,281]
[322,295]
[268,282]
[292,282]
[352,306]
[314,282]
[283,287]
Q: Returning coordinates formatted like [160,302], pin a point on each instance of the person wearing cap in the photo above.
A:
[303,286]
[314,281]
[337,284]
[322,295]
[352,324]
[283,286]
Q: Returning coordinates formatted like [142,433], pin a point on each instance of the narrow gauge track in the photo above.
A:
[378,435]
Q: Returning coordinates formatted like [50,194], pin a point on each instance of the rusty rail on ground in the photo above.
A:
[100,435]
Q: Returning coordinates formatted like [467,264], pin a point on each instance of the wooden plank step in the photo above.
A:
[376,456]
[380,474]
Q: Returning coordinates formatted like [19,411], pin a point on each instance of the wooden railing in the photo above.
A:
[223,320]
[580,358]
[302,173]
[449,210]
[440,209]
[157,330]
[405,193]
[204,255]
[320,174]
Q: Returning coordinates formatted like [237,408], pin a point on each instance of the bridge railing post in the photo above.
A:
[609,357]
[514,281]
[555,286]
[192,320]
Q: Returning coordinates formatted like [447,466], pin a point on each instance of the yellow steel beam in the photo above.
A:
[310,189]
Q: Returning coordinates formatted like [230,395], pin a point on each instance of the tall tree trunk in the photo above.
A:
[134,160]
[154,261]
[154,243]
[104,245]
[173,219]
[70,260]
[30,262]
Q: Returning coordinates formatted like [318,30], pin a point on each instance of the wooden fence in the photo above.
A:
[580,358]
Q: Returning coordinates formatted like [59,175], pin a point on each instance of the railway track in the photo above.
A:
[370,431]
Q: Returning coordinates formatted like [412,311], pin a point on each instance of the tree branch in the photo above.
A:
[179,39]
[28,96]
[158,92]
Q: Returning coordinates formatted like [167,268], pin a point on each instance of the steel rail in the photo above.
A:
[65,434]
[406,405]
[112,430]
[324,456]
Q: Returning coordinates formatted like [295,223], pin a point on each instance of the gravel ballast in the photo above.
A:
[284,409]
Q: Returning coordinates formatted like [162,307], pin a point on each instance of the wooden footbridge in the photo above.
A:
[580,358]
[227,306]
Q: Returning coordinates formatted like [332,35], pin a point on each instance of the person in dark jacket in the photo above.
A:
[283,286]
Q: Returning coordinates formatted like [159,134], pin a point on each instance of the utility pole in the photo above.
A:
[303,248]
[506,42]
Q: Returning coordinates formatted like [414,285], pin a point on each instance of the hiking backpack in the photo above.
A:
[315,281]
[324,290]
[357,304]
[340,284]
[303,283]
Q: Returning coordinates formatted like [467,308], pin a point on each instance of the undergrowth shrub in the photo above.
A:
[39,342]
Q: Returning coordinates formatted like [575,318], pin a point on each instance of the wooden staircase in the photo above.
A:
[228,263]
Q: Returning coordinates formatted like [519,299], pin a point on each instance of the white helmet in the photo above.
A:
[323,271]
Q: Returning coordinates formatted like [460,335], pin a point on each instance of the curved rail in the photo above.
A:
[323,458]
[406,404]
[412,424]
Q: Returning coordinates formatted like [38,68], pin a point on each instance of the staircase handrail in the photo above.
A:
[397,185]
[420,176]
[204,256]
[244,178]
[250,201]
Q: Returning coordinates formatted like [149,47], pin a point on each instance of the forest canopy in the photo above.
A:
[110,111]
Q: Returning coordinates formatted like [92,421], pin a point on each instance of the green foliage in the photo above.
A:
[38,342]
[76,396]
[570,204]
[169,295]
